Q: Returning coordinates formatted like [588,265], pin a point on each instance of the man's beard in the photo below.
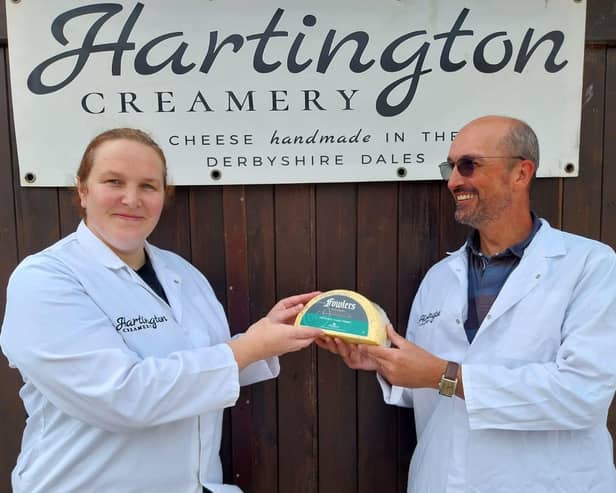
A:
[483,214]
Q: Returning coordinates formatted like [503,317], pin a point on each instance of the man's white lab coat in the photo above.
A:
[124,393]
[538,378]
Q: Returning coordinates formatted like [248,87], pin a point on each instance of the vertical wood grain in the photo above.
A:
[336,224]
[377,222]
[207,248]
[12,415]
[608,213]
[295,272]
[418,250]
[173,229]
[207,237]
[608,210]
[234,213]
[546,199]
[262,288]
[582,195]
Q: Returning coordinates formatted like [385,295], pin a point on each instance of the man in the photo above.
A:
[518,331]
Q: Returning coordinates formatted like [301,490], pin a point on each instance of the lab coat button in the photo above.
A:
[458,321]
[537,276]
[489,316]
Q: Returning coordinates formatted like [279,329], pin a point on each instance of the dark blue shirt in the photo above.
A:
[487,275]
[147,273]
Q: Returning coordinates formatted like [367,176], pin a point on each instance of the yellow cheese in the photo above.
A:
[347,315]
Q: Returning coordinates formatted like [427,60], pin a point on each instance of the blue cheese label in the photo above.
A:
[346,315]
[337,313]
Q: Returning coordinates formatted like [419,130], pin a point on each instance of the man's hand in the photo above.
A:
[406,365]
[350,353]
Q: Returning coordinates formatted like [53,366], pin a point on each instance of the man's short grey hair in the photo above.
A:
[522,141]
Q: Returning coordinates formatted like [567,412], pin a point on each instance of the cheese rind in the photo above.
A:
[347,315]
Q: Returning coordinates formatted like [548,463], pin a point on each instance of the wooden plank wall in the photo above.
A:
[320,427]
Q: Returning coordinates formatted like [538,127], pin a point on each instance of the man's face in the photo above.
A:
[486,195]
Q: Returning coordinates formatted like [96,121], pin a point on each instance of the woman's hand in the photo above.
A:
[287,309]
[266,338]
[274,339]
[274,335]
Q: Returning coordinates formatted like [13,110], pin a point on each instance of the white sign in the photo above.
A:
[245,91]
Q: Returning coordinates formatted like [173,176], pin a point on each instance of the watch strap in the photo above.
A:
[451,371]
[449,380]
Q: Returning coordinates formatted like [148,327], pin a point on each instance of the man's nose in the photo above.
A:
[455,179]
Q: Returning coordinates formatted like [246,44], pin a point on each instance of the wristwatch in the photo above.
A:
[449,380]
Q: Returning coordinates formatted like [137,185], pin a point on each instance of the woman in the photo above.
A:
[124,350]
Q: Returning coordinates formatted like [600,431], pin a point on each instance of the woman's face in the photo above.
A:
[124,195]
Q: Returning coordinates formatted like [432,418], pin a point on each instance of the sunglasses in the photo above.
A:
[466,165]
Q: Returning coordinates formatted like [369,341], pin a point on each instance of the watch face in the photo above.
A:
[447,387]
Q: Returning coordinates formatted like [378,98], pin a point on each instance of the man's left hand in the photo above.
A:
[406,365]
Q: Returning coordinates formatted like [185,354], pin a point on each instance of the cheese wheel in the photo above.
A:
[347,315]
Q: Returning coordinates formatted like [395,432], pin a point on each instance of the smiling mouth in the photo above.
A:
[462,197]
[128,217]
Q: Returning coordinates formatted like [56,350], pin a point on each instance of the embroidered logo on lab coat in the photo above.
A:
[428,318]
[133,324]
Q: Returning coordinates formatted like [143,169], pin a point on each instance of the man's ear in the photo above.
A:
[525,172]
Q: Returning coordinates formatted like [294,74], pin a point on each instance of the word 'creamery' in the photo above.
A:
[404,55]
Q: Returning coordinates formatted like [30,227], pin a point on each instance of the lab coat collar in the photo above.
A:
[473,244]
[548,240]
[458,263]
[169,279]
[547,243]
[106,255]
[97,248]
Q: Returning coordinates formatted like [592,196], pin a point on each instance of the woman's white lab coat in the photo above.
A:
[123,392]
[538,378]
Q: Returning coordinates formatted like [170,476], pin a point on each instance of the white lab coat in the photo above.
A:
[538,378]
[123,392]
